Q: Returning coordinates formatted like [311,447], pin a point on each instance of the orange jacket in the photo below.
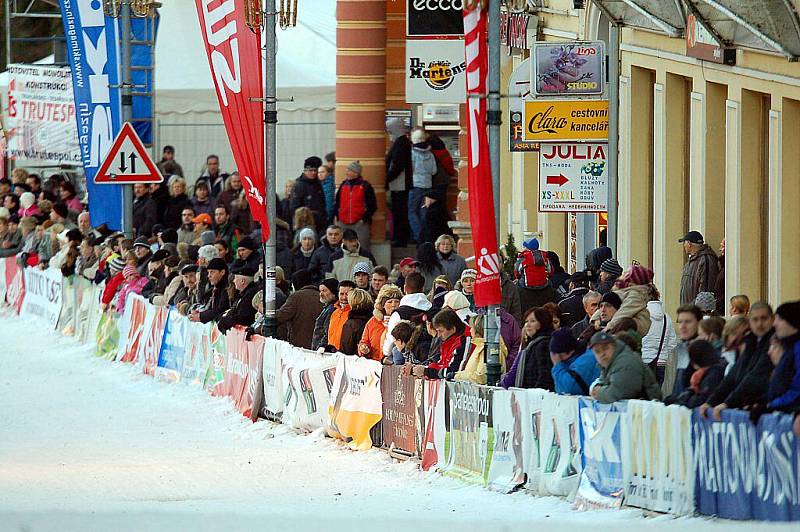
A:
[374,333]
[336,324]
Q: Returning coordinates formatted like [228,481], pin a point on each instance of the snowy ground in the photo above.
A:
[86,444]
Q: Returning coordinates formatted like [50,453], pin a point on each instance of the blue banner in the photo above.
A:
[602,480]
[92,51]
[746,471]
[173,347]
[144,30]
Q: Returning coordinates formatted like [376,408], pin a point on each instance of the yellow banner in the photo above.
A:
[565,120]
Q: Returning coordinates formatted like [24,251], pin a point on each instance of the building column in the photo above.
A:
[784,196]
[360,101]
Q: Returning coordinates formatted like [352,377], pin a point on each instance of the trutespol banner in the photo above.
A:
[434,18]
[355,403]
[43,295]
[401,396]
[435,71]
[470,444]
[658,464]
[747,471]
[602,433]
[41,116]
[92,42]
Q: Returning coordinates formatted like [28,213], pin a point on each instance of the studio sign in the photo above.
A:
[438,74]
[435,18]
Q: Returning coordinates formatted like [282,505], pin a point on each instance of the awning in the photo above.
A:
[771,25]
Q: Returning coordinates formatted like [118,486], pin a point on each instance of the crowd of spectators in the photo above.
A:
[602,332]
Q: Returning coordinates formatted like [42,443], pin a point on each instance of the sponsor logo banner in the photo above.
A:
[3,284]
[511,424]
[747,471]
[401,397]
[197,353]
[307,380]
[433,426]
[107,335]
[434,18]
[43,295]
[87,309]
[242,372]
[173,348]
[15,283]
[602,481]
[565,120]
[659,469]
[355,403]
[435,72]
[92,40]
[554,465]
[41,115]
[469,441]
[568,69]
[155,321]
[272,373]
[131,329]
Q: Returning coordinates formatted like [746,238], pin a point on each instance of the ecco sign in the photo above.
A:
[434,18]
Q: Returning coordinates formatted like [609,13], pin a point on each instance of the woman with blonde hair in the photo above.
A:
[733,334]
[740,306]
[374,334]
[361,307]
[473,369]
[303,217]
[177,201]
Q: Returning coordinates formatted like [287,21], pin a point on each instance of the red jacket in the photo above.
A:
[355,201]
[111,288]
[453,351]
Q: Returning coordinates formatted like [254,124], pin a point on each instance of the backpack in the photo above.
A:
[533,268]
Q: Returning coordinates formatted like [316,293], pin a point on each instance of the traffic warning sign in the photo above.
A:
[128,161]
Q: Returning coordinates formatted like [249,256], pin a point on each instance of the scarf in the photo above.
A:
[446,256]
[306,253]
[697,378]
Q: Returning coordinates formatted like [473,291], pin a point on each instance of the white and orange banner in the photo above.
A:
[355,404]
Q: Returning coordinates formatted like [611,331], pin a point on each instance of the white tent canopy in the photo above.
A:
[187,113]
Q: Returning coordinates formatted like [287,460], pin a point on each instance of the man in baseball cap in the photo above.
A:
[623,375]
[701,270]
[242,311]
[361,272]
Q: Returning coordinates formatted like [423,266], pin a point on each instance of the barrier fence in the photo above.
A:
[633,453]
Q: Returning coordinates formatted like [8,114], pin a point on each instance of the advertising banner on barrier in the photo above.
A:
[155,320]
[470,437]
[272,375]
[432,414]
[242,371]
[41,116]
[401,397]
[107,336]
[15,283]
[602,433]
[511,424]
[197,354]
[2,282]
[87,316]
[307,380]
[66,319]
[131,329]
[173,348]
[746,471]
[215,378]
[559,445]
[355,404]
[658,463]
[43,295]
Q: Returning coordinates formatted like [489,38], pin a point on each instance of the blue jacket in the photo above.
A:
[784,386]
[584,365]
[329,188]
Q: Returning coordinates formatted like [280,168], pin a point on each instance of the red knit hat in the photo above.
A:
[129,271]
[639,274]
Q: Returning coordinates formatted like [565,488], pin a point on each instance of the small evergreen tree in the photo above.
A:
[509,254]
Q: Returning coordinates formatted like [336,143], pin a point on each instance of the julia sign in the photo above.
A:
[573,178]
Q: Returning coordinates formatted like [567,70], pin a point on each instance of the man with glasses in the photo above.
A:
[308,192]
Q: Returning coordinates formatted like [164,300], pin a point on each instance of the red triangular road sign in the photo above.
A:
[128,161]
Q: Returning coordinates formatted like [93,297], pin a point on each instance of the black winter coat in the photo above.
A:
[300,261]
[309,193]
[534,369]
[217,303]
[572,307]
[708,384]
[320,260]
[353,329]
[434,222]
[398,160]
[747,382]
[535,297]
[242,311]
[173,209]
[145,215]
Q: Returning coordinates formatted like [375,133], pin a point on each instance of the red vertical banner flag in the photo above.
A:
[234,55]
[481,197]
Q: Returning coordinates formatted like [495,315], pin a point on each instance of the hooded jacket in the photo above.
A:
[699,274]
[452,353]
[342,262]
[584,365]
[634,305]
[626,377]
[660,323]
[411,308]
[473,369]
[424,163]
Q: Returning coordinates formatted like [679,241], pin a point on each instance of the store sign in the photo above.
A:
[702,45]
[517,30]
[565,120]
[435,18]
[519,85]
[573,178]
[562,69]
[435,71]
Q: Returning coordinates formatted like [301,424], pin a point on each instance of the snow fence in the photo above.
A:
[632,453]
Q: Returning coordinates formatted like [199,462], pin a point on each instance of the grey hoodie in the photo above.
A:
[424,165]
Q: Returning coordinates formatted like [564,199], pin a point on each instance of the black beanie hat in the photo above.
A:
[301,278]
[312,162]
[703,353]
[612,299]
[332,285]
[790,313]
